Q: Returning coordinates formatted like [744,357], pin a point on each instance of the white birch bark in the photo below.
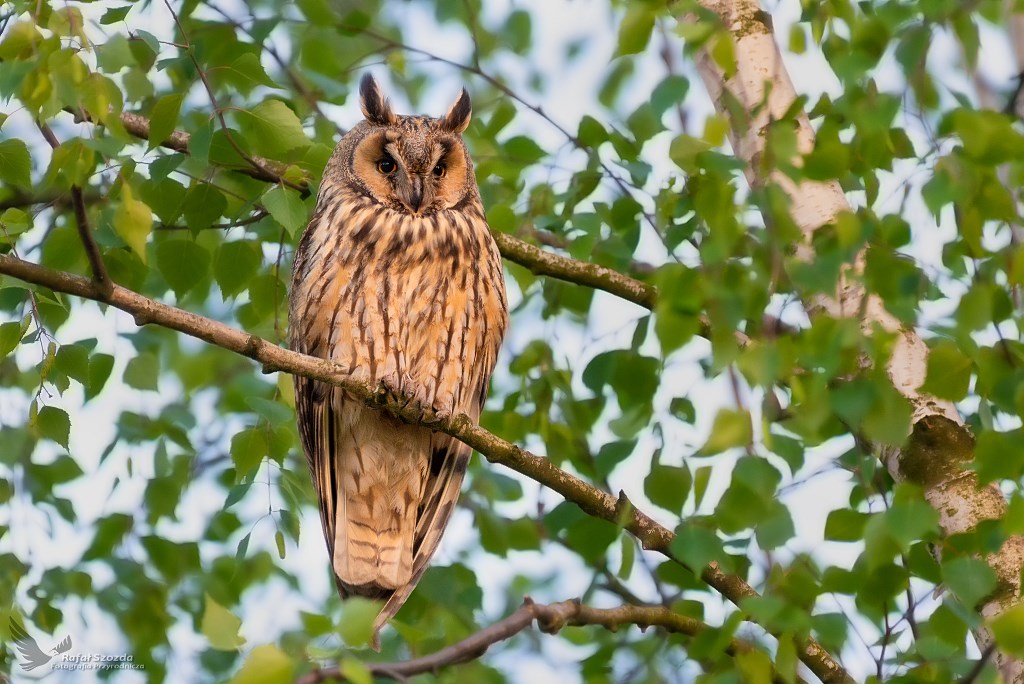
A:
[941,445]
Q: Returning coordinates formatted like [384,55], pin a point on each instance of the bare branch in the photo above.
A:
[590,499]
[550,618]
[545,263]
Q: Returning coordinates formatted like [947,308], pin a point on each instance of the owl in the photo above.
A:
[398,279]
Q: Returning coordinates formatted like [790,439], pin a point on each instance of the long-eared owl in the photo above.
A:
[397,279]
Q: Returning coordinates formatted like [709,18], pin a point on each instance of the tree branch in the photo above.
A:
[541,262]
[590,499]
[550,618]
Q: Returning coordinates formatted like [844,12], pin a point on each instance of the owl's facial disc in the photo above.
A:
[414,168]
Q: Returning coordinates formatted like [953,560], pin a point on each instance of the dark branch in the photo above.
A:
[550,619]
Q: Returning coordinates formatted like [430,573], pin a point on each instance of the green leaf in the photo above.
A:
[684,149]
[114,55]
[286,207]
[845,525]
[683,409]
[356,624]
[730,429]
[697,546]
[591,133]
[668,487]
[235,265]
[11,334]
[755,667]
[133,221]
[355,671]
[183,264]
[54,423]
[15,163]
[73,361]
[1008,629]
[247,68]
[220,627]
[669,93]
[164,118]
[144,47]
[100,366]
[635,29]
[143,372]
[248,449]
[949,371]
[888,417]
[115,14]
[202,206]
[265,665]
[110,531]
[272,129]
[523,150]
[970,579]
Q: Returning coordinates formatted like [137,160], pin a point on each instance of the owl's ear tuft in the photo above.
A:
[376,108]
[459,114]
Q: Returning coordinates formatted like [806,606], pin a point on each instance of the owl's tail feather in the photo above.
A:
[372,548]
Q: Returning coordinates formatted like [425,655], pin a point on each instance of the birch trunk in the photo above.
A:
[940,445]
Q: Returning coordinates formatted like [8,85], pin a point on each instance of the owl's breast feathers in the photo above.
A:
[417,302]
[380,291]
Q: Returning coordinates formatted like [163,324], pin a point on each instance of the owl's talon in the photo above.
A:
[403,393]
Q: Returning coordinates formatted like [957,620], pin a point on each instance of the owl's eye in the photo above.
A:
[386,166]
[440,170]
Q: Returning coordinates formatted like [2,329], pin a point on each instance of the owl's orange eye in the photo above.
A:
[440,170]
[386,166]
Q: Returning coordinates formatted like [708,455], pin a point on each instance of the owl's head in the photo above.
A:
[415,165]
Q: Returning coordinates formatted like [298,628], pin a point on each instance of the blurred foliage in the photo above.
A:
[156,487]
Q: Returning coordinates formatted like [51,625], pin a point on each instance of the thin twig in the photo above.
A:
[92,250]
[256,217]
[979,666]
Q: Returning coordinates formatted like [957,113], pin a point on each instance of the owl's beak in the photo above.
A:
[415,199]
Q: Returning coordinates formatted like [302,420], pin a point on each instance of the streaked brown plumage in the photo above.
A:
[398,279]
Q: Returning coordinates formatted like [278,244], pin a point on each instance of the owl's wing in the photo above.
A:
[317,430]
